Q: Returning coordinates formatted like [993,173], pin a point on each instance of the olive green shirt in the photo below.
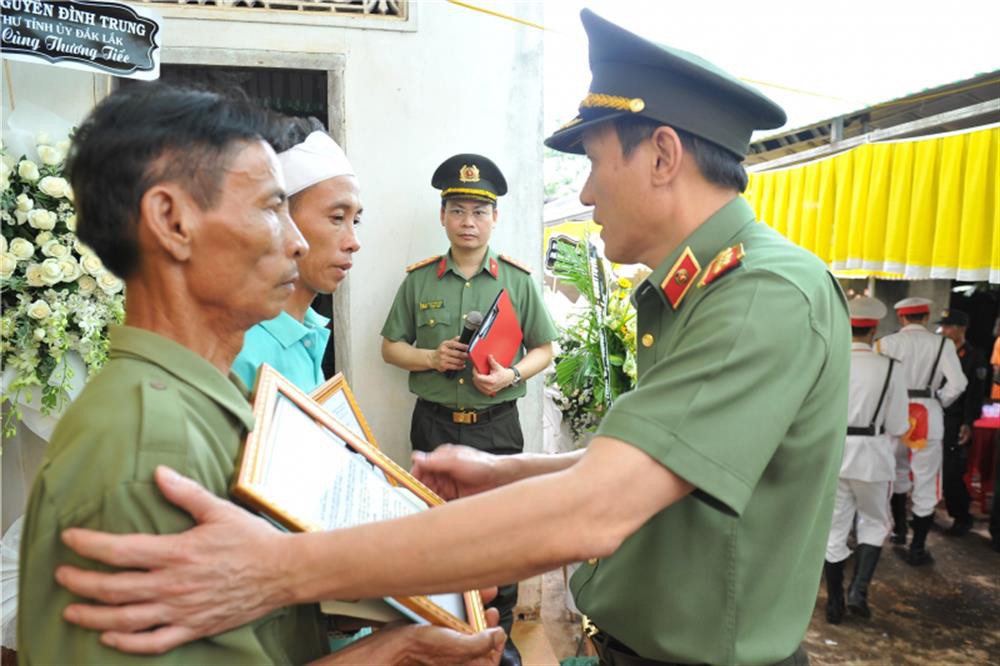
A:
[154,403]
[431,306]
[742,391]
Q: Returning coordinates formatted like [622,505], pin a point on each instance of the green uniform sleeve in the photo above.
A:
[536,323]
[401,322]
[45,638]
[715,407]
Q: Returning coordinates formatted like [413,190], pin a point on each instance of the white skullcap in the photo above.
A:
[914,305]
[866,311]
[316,159]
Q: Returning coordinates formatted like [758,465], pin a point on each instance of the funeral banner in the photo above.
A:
[107,37]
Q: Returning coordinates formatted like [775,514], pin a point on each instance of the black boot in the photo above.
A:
[918,555]
[834,573]
[898,505]
[865,559]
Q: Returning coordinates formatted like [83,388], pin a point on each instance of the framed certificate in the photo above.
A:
[308,471]
[335,396]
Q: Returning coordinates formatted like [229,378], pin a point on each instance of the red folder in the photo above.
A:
[499,336]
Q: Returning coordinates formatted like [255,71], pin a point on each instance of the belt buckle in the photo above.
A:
[467,418]
[589,628]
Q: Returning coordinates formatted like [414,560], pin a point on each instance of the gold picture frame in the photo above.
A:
[299,463]
[335,396]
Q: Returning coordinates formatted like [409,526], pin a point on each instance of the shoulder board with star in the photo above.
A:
[724,262]
[422,263]
[516,264]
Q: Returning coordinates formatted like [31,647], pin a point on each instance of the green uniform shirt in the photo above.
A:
[431,306]
[155,403]
[742,391]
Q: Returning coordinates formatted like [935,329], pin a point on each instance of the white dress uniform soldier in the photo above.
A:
[934,379]
[877,409]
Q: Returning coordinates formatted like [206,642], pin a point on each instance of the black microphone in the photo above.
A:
[473,321]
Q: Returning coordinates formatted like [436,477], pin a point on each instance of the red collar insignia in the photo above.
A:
[680,278]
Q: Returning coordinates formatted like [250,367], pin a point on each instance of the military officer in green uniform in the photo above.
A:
[702,506]
[455,403]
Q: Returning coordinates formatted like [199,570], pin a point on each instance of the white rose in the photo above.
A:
[63,146]
[109,284]
[22,248]
[28,170]
[87,285]
[40,218]
[54,186]
[55,249]
[3,244]
[69,193]
[51,272]
[43,238]
[50,156]
[24,202]
[71,222]
[39,334]
[33,274]
[70,270]
[20,216]
[42,139]
[8,264]
[81,247]
[39,310]
[92,264]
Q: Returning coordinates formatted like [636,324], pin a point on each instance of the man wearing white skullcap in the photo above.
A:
[928,360]
[877,410]
[325,203]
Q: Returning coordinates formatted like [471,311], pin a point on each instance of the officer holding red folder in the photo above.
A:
[422,334]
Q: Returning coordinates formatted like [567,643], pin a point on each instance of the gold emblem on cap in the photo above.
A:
[602,101]
[682,276]
[647,340]
[468,174]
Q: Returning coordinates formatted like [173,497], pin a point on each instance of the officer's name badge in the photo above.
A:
[431,305]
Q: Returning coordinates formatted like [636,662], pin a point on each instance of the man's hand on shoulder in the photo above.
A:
[181,587]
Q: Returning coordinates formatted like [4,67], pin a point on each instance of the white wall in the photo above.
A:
[462,81]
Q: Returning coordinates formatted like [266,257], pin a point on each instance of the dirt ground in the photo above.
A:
[946,613]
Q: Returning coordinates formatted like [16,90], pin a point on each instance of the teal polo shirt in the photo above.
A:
[293,348]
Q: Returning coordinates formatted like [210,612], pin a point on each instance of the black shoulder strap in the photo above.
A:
[881,398]
[930,380]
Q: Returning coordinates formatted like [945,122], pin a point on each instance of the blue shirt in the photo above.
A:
[293,348]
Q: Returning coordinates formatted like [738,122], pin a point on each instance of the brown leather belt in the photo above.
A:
[468,416]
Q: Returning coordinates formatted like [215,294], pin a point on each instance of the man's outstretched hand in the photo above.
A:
[457,471]
[217,575]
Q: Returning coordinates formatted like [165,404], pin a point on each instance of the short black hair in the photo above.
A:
[717,165]
[146,134]
[861,331]
[285,132]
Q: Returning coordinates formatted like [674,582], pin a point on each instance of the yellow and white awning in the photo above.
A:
[926,208]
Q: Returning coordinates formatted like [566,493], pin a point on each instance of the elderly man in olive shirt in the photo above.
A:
[179,195]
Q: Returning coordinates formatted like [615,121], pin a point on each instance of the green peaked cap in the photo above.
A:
[634,76]
[469,176]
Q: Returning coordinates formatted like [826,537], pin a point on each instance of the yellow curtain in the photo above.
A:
[914,209]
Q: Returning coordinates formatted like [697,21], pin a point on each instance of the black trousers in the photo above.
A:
[498,431]
[954,465]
